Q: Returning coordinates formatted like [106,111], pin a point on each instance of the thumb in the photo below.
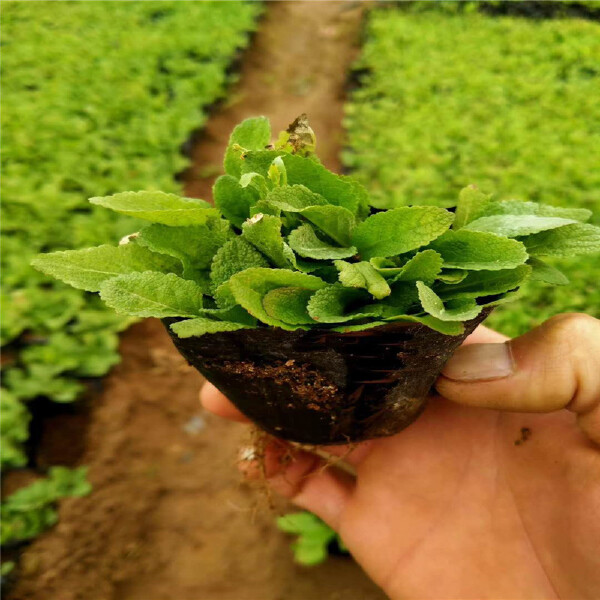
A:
[554,366]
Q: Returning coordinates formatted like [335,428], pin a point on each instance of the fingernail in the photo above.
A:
[480,362]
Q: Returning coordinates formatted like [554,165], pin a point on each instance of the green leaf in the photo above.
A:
[88,269]
[542,271]
[195,246]
[485,283]
[152,295]
[516,225]
[478,250]
[570,240]
[264,233]
[256,182]
[251,134]
[315,536]
[424,266]
[231,312]
[399,230]
[294,198]
[388,267]
[457,310]
[335,221]
[363,275]
[337,190]
[471,204]
[360,327]
[277,172]
[288,304]
[159,207]
[262,207]
[336,304]
[233,200]
[304,241]
[200,326]
[517,207]
[403,297]
[14,426]
[445,327]
[251,286]
[452,276]
[234,256]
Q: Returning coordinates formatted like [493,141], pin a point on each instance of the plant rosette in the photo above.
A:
[323,319]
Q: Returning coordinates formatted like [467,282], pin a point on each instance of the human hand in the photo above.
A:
[494,492]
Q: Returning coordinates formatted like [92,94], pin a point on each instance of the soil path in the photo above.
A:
[169,518]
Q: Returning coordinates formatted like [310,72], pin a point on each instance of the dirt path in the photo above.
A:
[169,517]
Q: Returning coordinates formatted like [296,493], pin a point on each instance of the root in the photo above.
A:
[252,458]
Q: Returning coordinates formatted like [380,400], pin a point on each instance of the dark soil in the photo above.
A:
[169,517]
[322,387]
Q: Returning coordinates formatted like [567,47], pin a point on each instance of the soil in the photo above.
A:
[322,387]
[169,516]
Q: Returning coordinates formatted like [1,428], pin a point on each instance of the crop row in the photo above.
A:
[453,98]
[96,99]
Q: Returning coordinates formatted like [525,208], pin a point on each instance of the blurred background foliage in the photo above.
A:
[449,96]
[97,98]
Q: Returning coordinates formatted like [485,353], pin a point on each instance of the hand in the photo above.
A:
[480,497]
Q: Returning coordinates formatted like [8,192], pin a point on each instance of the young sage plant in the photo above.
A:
[289,244]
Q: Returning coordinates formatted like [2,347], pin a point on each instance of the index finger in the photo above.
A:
[217,403]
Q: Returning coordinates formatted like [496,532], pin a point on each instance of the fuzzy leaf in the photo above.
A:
[294,198]
[264,233]
[256,182]
[517,225]
[388,267]
[233,313]
[304,241]
[195,246]
[332,304]
[457,310]
[335,221]
[570,240]
[233,200]
[235,256]
[452,276]
[478,250]
[251,134]
[471,204]
[399,230]
[87,269]
[159,207]
[517,207]
[485,283]
[152,295]
[336,189]
[361,327]
[277,172]
[399,302]
[445,327]
[288,304]
[542,271]
[363,275]
[251,286]
[424,266]
[201,326]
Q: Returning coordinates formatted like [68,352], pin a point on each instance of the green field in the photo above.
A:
[97,98]
[509,104]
